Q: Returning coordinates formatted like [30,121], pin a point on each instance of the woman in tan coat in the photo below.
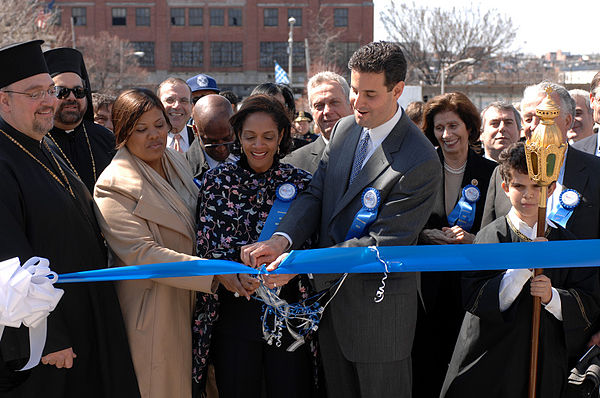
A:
[146,203]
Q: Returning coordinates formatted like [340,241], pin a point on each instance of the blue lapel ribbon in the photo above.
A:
[284,196]
[366,215]
[568,200]
[463,213]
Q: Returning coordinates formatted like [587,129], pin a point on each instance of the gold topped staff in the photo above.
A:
[545,151]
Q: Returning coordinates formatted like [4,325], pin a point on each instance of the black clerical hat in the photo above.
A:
[21,60]
[66,59]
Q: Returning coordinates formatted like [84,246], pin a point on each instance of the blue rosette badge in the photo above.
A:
[286,192]
[463,213]
[284,195]
[568,200]
[367,213]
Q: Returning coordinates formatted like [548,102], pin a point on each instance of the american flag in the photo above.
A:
[280,75]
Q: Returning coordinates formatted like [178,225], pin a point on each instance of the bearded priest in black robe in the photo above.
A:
[86,146]
[47,211]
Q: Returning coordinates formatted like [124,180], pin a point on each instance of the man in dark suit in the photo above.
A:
[328,99]
[591,144]
[365,345]
[211,115]
[580,171]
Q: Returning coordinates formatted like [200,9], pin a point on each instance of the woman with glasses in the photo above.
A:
[146,205]
[233,209]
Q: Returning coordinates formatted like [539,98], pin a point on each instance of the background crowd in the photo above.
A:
[187,172]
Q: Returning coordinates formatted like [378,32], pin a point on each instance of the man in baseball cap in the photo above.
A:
[202,85]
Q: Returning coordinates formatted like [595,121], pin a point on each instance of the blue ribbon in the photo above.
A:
[366,215]
[568,200]
[495,256]
[463,213]
[285,194]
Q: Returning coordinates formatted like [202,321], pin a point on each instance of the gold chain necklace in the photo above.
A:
[69,161]
[520,234]
[66,187]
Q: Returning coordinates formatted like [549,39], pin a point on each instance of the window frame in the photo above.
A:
[117,19]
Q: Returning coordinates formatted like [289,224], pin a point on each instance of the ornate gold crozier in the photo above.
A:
[545,151]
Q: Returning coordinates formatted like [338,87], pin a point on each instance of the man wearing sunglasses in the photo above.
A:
[86,146]
[211,123]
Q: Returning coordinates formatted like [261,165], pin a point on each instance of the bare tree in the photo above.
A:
[326,52]
[433,37]
[24,20]
[112,63]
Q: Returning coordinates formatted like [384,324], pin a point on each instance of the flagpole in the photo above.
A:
[292,21]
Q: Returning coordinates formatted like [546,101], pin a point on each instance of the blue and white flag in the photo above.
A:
[281,75]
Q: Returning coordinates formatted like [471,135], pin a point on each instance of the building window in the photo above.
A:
[119,16]
[217,16]
[271,16]
[79,16]
[225,54]
[195,16]
[235,16]
[297,14]
[340,17]
[177,16]
[271,51]
[147,47]
[142,16]
[186,53]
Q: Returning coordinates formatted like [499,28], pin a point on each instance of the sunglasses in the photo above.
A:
[227,144]
[64,92]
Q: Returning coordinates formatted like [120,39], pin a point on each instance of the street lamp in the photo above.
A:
[138,54]
[445,69]
[292,21]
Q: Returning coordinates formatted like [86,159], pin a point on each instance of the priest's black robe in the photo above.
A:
[492,353]
[75,147]
[41,218]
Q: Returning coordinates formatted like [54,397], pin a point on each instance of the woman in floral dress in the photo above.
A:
[233,206]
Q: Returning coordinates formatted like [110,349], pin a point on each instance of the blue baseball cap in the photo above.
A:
[202,82]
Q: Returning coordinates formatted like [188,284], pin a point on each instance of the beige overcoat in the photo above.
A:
[140,228]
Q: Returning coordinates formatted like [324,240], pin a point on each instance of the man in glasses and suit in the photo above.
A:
[86,146]
[47,211]
[211,115]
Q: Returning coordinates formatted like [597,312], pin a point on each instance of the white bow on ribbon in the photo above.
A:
[27,297]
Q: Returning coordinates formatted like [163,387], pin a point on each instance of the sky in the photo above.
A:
[579,31]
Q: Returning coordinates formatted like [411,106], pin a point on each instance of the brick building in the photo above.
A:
[235,41]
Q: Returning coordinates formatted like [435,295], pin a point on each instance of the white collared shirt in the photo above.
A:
[184,144]
[597,145]
[513,280]
[212,163]
[379,134]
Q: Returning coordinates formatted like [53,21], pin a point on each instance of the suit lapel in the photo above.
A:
[377,164]
[574,177]
[342,162]
[316,151]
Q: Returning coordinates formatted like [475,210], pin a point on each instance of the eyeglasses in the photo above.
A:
[209,146]
[52,92]
[64,92]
